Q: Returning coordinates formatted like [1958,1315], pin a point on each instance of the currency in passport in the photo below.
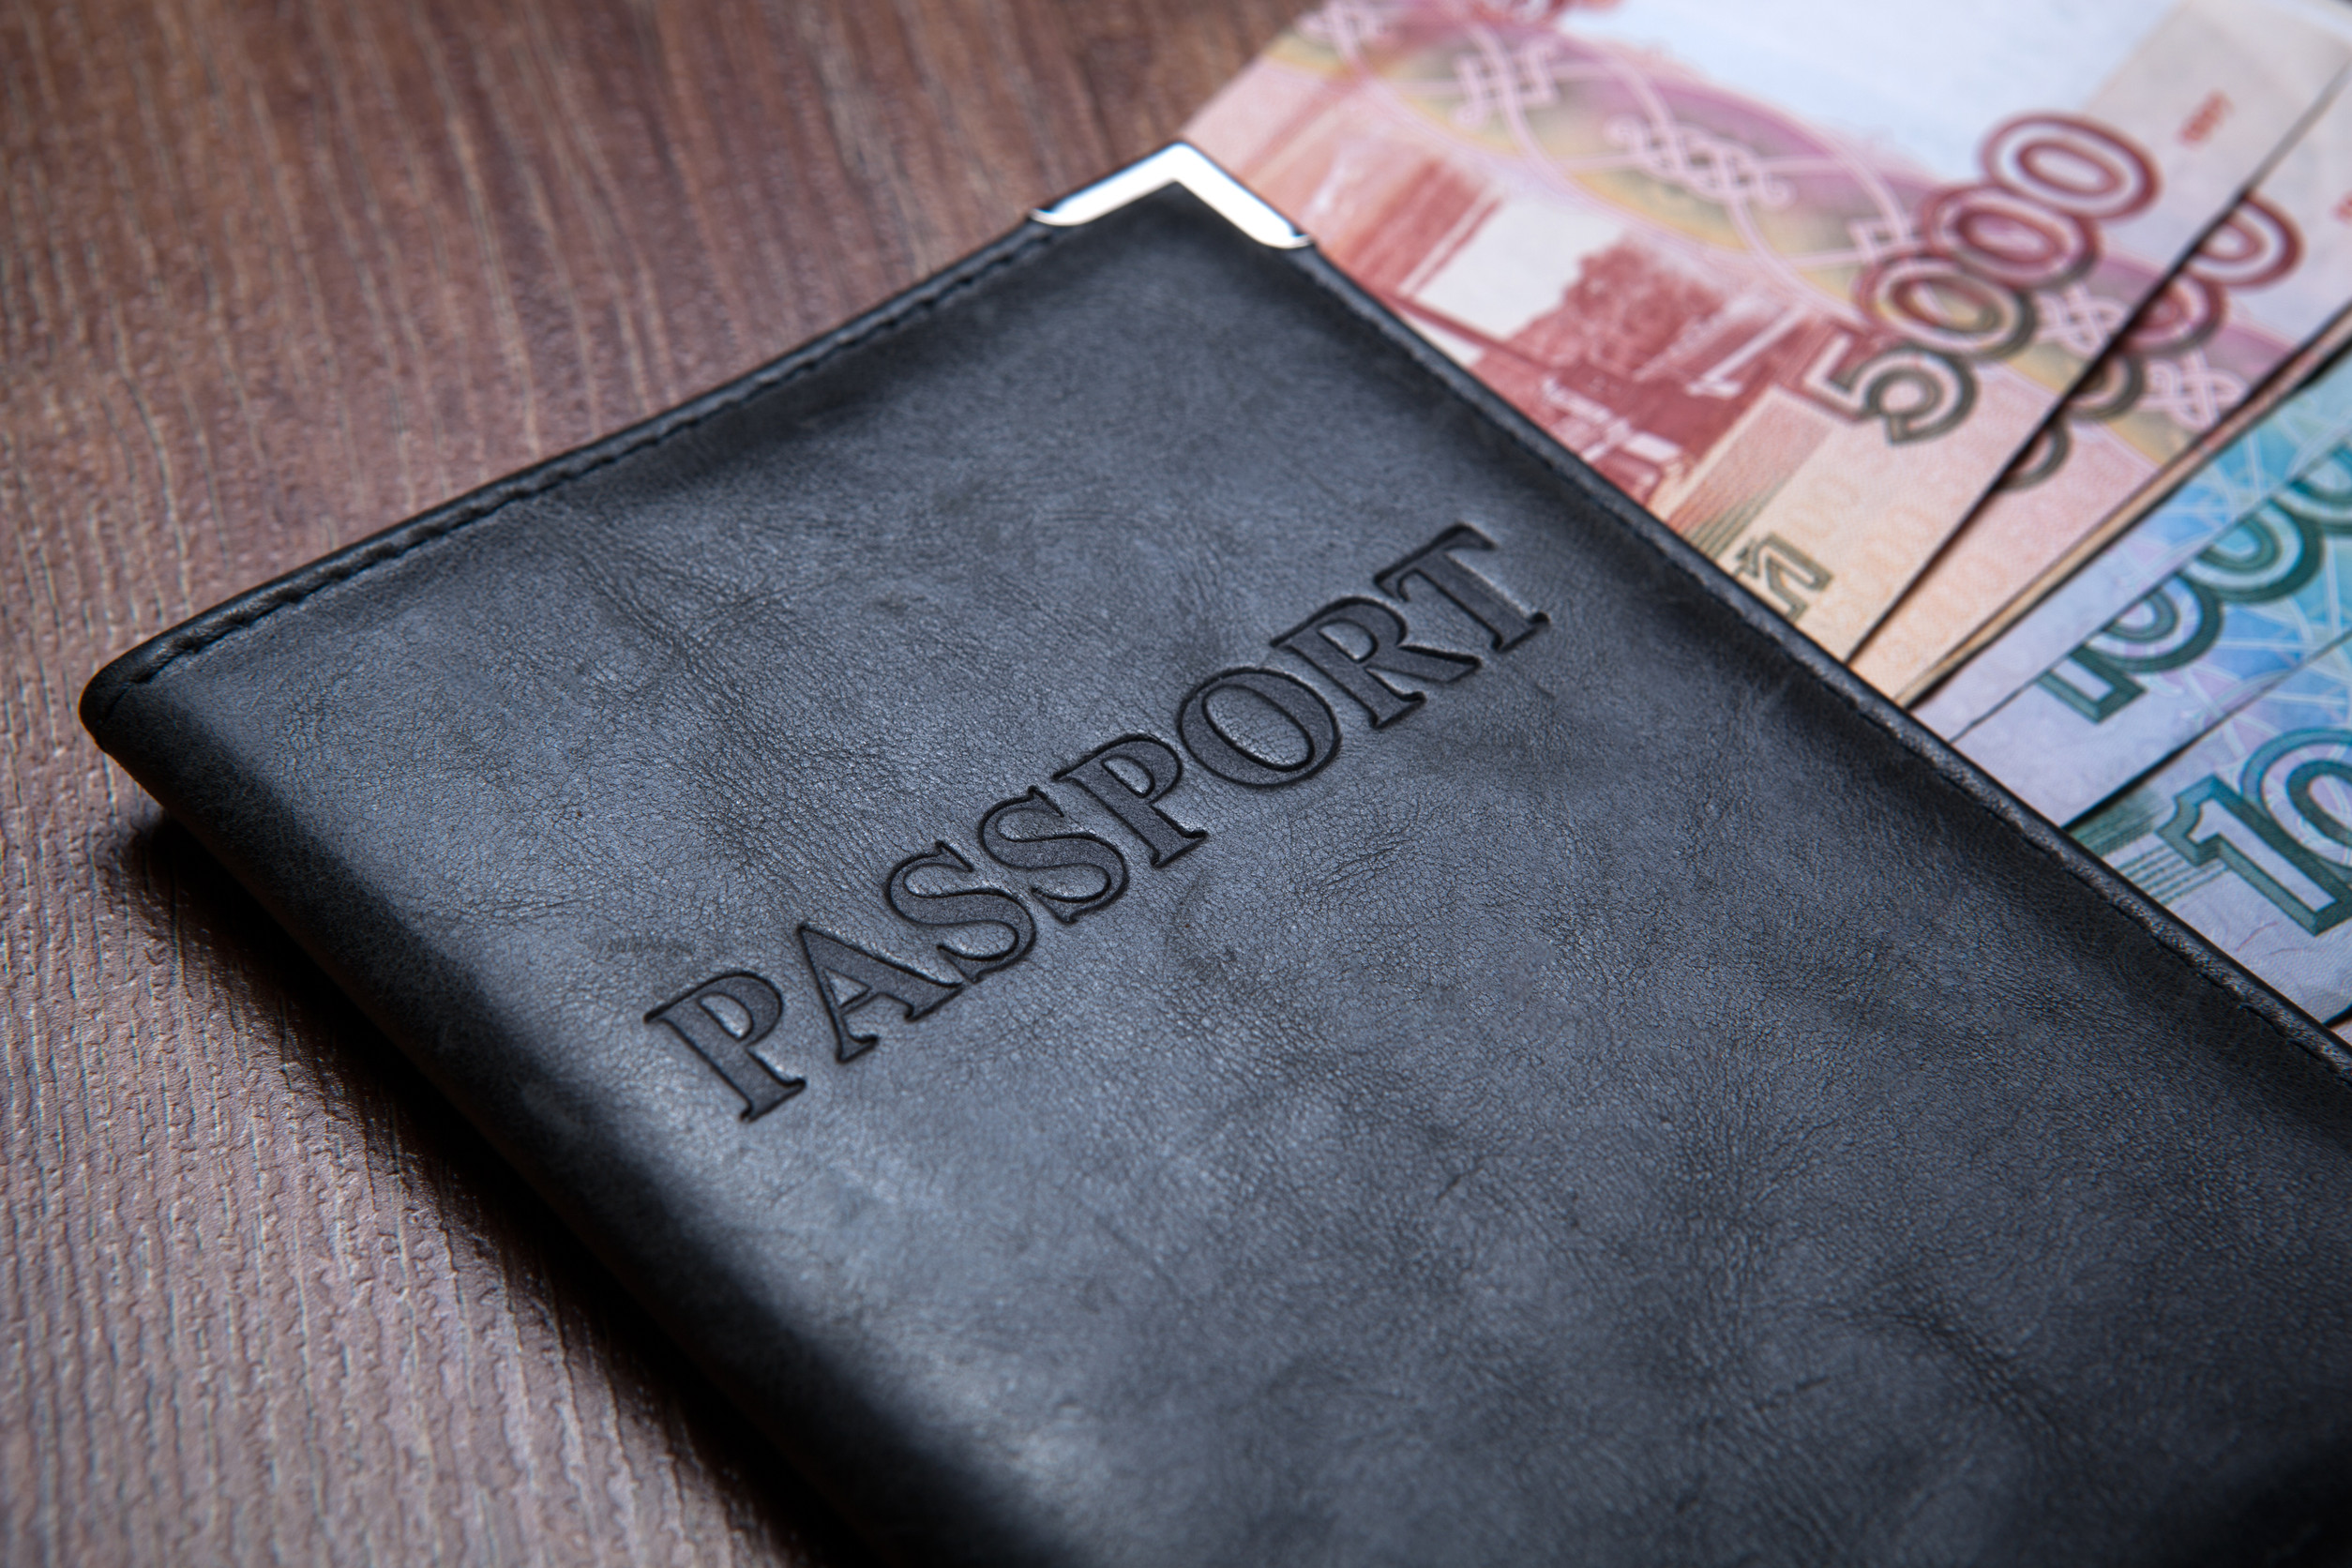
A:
[1802,276]
[2247,836]
[2268,278]
[2259,601]
[2229,472]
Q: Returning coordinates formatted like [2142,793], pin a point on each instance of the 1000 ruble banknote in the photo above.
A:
[2304,409]
[1802,276]
[2247,835]
[2237,580]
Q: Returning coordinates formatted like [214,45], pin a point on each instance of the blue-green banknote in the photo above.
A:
[2247,835]
[2238,579]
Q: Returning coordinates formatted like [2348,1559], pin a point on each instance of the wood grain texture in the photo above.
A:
[273,276]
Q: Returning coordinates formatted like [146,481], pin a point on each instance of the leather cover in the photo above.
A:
[1163,937]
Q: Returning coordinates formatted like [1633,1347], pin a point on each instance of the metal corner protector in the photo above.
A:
[1178,163]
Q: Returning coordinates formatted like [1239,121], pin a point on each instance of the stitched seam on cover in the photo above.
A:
[1936,767]
[2081,874]
[562,473]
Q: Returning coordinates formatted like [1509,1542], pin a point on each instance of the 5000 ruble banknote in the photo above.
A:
[2267,280]
[1802,276]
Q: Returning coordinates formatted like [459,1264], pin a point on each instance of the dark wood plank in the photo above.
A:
[271,278]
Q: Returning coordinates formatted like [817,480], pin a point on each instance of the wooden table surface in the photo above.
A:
[273,277]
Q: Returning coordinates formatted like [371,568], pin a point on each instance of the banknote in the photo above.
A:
[1972,680]
[1802,276]
[2248,609]
[2230,482]
[2259,601]
[2247,835]
[2267,278]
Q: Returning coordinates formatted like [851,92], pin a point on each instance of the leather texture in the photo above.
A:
[1641,1102]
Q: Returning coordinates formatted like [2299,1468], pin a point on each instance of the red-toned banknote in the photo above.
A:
[1802,276]
[2271,276]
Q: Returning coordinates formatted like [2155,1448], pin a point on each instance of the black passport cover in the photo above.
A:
[1316,988]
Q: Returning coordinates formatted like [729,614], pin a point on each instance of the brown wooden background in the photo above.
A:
[274,274]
